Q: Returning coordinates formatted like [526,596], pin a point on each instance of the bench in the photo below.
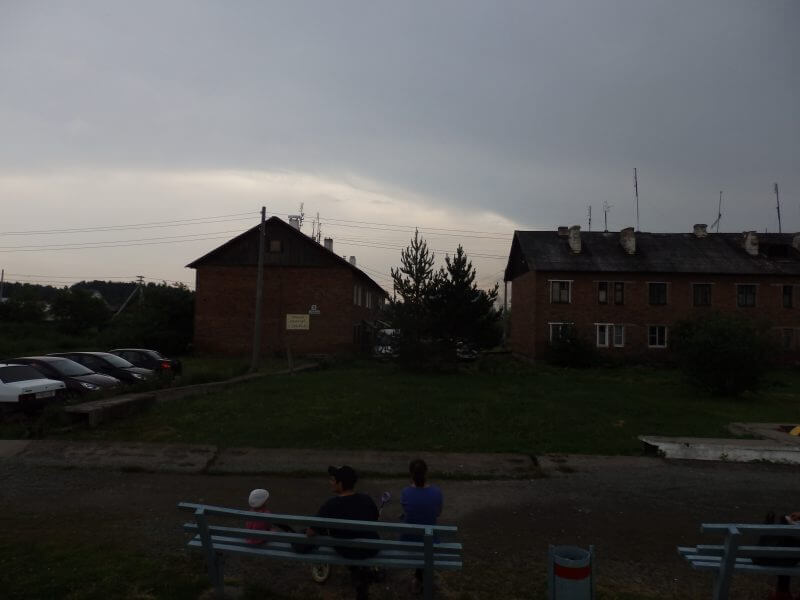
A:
[733,555]
[215,541]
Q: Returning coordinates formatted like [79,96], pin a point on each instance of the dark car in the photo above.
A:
[79,379]
[109,364]
[150,359]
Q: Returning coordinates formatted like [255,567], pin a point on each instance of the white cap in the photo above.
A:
[258,498]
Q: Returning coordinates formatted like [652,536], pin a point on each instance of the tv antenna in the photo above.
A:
[606,210]
[719,213]
[778,207]
[636,194]
[590,217]
[297,220]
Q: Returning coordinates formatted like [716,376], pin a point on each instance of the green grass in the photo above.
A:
[510,408]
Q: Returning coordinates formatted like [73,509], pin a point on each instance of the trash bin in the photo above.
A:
[569,573]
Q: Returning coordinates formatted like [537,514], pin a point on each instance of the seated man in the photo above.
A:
[348,504]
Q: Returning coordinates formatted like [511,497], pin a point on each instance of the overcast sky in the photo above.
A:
[483,117]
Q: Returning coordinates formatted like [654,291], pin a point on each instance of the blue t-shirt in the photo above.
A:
[421,507]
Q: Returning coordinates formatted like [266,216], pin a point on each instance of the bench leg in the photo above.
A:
[427,577]
[722,583]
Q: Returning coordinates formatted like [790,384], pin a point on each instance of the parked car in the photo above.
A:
[79,379]
[150,359]
[24,387]
[109,364]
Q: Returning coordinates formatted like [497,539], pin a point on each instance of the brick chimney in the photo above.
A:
[750,242]
[575,239]
[329,244]
[627,239]
[700,230]
[563,231]
[353,260]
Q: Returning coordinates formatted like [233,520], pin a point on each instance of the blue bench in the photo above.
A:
[215,541]
[734,555]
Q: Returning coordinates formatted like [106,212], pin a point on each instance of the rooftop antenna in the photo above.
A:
[636,193]
[719,213]
[319,229]
[590,217]
[606,209]
[778,207]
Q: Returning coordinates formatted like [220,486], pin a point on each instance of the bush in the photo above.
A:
[725,354]
[570,349]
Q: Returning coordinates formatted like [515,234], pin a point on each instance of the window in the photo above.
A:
[702,294]
[619,336]
[560,292]
[602,292]
[357,295]
[602,334]
[369,300]
[745,295]
[788,338]
[787,296]
[275,246]
[658,293]
[657,336]
[559,331]
[619,292]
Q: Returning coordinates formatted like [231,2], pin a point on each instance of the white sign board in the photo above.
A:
[297,322]
[313,310]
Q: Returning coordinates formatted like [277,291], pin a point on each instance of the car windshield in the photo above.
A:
[19,373]
[116,361]
[69,368]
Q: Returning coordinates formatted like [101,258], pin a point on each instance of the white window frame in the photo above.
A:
[569,283]
[666,337]
[559,324]
[614,335]
[605,327]
[608,284]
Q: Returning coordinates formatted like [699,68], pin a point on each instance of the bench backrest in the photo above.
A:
[737,533]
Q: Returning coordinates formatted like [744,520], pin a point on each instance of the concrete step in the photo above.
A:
[98,411]
[731,450]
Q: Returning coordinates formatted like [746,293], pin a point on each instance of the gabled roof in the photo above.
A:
[249,239]
[716,253]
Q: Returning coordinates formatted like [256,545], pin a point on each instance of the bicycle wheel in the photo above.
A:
[320,573]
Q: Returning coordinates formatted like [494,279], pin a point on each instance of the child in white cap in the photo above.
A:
[258,503]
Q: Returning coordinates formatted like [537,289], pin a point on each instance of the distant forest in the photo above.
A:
[113,292]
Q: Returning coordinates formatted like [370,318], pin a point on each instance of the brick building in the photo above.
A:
[626,290]
[304,285]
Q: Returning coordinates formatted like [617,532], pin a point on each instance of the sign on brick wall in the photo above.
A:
[297,322]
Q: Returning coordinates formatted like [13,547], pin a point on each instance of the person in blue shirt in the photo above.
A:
[422,505]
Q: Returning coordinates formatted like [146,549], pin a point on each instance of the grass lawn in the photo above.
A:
[504,407]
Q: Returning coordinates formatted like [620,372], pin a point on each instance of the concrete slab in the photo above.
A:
[451,465]
[98,411]
[731,450]
[175,458]
[778,432]
[10,448]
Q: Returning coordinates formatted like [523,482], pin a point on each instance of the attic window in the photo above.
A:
[275,246]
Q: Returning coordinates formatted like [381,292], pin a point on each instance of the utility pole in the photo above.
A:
[590,217]
[636,193]
[606,208]
[778,205]
[254,363]
[2,276]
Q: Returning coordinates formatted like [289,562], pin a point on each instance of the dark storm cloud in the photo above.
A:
[531,110]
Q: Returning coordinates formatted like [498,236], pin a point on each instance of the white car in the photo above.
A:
[24,386]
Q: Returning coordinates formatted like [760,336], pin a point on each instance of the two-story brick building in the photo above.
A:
[305,284]
[626,290]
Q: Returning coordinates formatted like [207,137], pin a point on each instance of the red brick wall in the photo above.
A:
[532,310]
[225,303]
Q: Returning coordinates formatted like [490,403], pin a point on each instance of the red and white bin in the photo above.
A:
[569,573]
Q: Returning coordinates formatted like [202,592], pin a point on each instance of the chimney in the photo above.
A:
[294,221]
[563,231]
[575,239]
[627,239]
[329,244]
[700,230]
[750,242]
[353,260]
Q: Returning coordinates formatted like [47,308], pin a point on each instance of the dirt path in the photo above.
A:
[634,510]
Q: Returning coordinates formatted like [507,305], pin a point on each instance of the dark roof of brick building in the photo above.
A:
[716,253]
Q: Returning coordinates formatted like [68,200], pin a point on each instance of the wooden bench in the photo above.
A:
[216,541]
[733,555]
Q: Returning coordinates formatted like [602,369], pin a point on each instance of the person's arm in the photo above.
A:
[441,503]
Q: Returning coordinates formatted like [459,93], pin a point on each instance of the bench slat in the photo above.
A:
[319,522]
[333,558]
[789,530]
[747,551]
[746,567]
[381,544]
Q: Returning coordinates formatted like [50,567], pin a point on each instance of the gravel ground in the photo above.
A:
[634,510]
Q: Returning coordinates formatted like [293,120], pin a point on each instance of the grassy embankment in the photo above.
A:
[506,408]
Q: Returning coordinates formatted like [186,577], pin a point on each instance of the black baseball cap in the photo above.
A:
[345,475]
